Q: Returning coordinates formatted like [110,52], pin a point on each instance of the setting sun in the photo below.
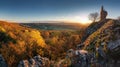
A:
[82,19]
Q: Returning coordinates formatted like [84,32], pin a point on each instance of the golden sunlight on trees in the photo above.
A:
[32,36]
[20,43]
[46,34]
[60,41]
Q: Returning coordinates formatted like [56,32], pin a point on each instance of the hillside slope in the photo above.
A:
[108,37]
[17,42]
[20,42]
[21,34]
[93,27]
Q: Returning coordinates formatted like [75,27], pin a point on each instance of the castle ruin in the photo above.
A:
[103,14]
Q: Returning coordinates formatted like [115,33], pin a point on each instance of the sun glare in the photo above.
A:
[82,19]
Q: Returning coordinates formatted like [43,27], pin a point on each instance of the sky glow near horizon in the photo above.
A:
[55,10]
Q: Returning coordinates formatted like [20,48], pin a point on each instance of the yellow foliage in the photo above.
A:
[29,42]
[2,29]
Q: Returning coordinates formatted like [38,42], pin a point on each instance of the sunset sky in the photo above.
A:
[56,10]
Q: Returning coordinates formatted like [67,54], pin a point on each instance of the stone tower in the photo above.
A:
[103,14]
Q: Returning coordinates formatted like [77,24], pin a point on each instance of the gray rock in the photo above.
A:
[113,45]
[33,62]
[2,62]
[23,63]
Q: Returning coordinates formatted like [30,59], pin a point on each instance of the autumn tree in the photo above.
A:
[93,16]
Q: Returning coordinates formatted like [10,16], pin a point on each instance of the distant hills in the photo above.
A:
[55,25]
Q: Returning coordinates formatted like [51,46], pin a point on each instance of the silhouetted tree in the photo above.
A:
[93,16]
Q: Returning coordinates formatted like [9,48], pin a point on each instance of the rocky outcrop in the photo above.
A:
[2,62]
[107,36]
[95,26]
[92,28]
[37,61]
[114,49]
[104,41]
